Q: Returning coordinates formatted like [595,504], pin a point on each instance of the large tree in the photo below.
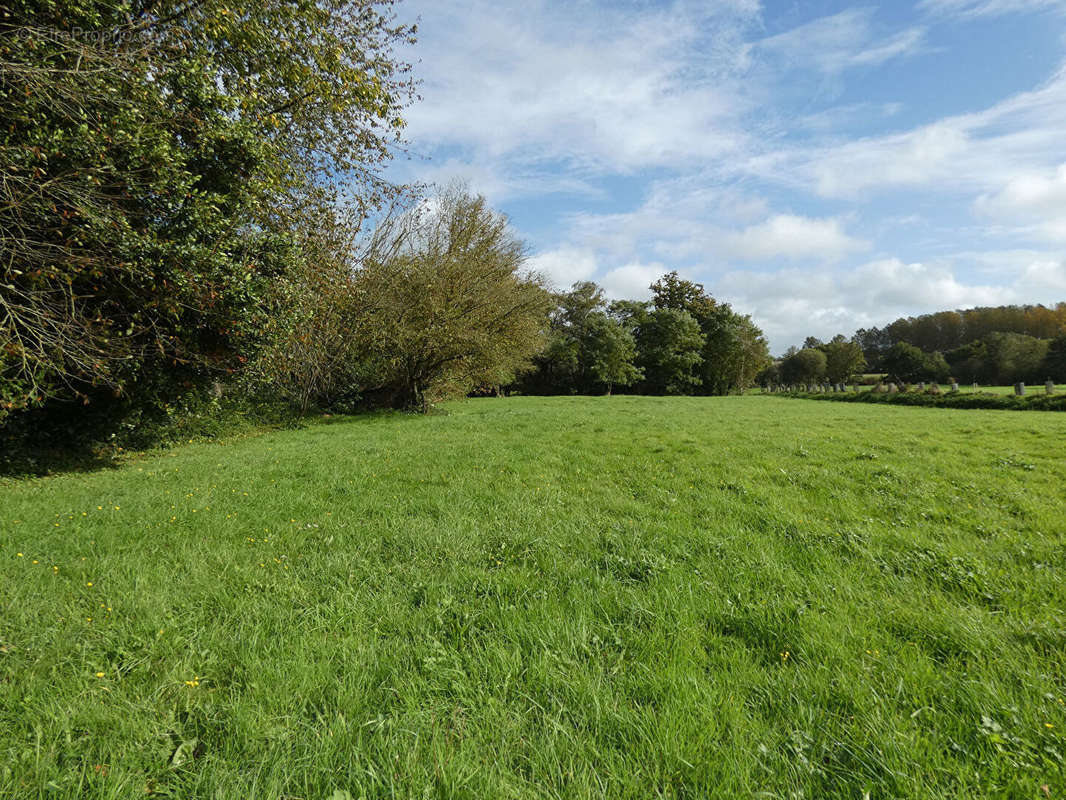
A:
[843,359]
[1054,366]
[155,162]
[611,352]
[803,366]
[447,306]
[733,351]
[905,362]
[670,344]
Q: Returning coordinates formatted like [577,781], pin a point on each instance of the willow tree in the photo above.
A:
[446,305]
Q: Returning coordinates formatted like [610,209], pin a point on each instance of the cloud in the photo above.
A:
[632,281]
[536,83]
[791,304]
[731,160]
[678,219]
[792,237]
[1042,276]
[1035,199]
[565,266]
[498,182]
[842,41]
[973,152]
[990,8]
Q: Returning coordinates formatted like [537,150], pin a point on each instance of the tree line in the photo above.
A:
[1000,345]
[192,203]
[682,341]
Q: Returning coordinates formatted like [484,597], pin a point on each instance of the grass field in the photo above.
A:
[548,597]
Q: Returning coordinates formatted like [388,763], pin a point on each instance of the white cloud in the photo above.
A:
[632,281]
[740,154]
[792,237]
[893,284]
[614,91]
[1037,200]
[835,43]
[1030,193]
[1043,276]
[974,152]
[565,266]
[791,304]
[990,8]
[498,182]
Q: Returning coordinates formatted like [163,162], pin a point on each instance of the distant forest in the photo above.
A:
[995,345]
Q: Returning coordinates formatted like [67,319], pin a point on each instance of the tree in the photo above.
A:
[673,291]
[669,344]
[630,314]
[568,351]
[308,354]
[1054,366]
[874,343]
[1013,357]
[967,363]
[843,359]
[804,366]
[449,307]
[906,362]
[157,159]
[610,351]
[734,352]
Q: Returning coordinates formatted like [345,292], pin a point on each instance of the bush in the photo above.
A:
[1033,402]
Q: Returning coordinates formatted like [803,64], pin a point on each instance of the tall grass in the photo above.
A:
[548,597]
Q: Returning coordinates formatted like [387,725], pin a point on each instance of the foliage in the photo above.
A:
[1054,366]
[308,354]
[670,345]
[154,158]
[843,359]
[907,363]
[874,342]
[1000,358]
[444,304]
[611,351]
[1014,357]
[734,351]
[588,349]
[673,291]
[1036,400]
[653,345]
[804,366]
[947,331]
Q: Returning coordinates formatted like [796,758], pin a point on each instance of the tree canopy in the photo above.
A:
[158,160]
[682,341]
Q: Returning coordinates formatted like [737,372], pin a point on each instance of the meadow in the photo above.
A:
[612,597]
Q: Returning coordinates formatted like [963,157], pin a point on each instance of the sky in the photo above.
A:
[822,166]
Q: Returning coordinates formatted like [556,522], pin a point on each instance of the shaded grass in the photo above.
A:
[548,597]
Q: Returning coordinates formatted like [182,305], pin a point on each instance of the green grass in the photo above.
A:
[591,597]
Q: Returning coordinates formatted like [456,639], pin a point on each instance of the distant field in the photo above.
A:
[548,597]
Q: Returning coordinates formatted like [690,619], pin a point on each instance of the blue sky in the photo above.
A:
[822,165]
